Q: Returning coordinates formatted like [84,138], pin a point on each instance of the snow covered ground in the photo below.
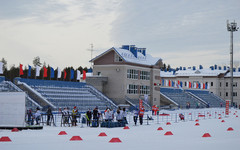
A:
[185,136]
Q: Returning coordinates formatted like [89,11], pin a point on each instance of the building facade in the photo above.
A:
[131,73]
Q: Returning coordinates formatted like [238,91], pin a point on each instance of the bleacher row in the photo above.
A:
[195,98]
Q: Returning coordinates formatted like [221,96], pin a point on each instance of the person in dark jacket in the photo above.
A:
[49,115]
[89,117]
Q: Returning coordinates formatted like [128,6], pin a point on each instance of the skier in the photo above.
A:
[135,116]
[74,116]
[37,115]
[141,113]
[49,115]
[124,114]
[89,117]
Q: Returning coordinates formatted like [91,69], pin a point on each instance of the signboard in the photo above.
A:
[12,109]
[140,104]
[227,107]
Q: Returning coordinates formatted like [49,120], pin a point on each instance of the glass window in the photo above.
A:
[132,89]
[132,74]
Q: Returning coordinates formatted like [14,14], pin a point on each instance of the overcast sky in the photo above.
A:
[181,32]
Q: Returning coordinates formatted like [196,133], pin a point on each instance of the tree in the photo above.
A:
[4,64]
[36,61]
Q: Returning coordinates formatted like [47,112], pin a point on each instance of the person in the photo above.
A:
[119,116]
[89,117]
[124,114]
[95,117]
[181,116]
[135,116]
[65,115]
[49,115]
[108,115]
[141,113]
[29,117]
[74,116]
[37,116]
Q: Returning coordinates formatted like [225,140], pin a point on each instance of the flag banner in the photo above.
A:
[78,75]
[146,98]
[59,75]
[169,83]
[172,83]
[52,73]
[140,104]
[187,84]
[20,69]
[44,72]
[37,71]
[29,70]
[65,74]
[162,82]
[166,82]
[190,85]
[181,83]
[204,86]
[201,85]
[1,68]
[84,75]
[72,74]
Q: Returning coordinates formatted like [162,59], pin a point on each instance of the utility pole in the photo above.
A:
[231,27]
[91,50]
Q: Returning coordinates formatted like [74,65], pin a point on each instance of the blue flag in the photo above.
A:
[72,74]
[29,70]
[52,72]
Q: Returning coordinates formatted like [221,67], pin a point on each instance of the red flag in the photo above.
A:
[20,69]
[140,104]
[169,83]
[84,75]
[178,82]
[65,74]
[190,86]
[44,72]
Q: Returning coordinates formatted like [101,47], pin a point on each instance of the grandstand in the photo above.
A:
[64,94]
[135,103]
[195,97]
[206,96]
[180,97]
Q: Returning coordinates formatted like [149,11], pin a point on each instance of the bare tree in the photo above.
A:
[36,61]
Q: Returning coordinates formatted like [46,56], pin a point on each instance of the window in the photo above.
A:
[144,89]
[234,84]
[234,93]
[99,73]
[220,84]
[144,75]
[132,89]
[226,84]
[226,94]
[132,74]
[220,94]
[211,83]
[118,58]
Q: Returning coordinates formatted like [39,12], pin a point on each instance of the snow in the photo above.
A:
[185,136]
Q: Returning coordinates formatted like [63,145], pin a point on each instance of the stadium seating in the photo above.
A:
[180,97]
[208,97]
[68,94]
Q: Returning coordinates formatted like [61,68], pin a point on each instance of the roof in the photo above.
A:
[128,56]
[198,72]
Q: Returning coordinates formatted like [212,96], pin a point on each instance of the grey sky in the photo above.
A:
[181,32]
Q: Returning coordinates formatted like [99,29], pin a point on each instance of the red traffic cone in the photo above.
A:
[5,139]
[219,118]
[237,116]
[62,133]
[126,127]
[196,120]
[206,135]
[168,123]
[234,114]
[15,130]
[102,134]
[223,121]
[76,138]
[168,133]
[230,129]
[115,140]
[160,128]
[197,124]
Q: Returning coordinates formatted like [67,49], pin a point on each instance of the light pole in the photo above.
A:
[231,27]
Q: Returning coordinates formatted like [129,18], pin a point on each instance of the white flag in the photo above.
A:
[78,74]
[166,82]
[1,68]
[37,71]
[59,75]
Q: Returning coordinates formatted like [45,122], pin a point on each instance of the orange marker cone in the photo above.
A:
[5,139]
[168,133]
[115,140]
[206,135]
[230,129]
[76,138]
[160,128]
[102,134]
[62,133]
[197,124]
[168,123]
[15,130]
[126,127]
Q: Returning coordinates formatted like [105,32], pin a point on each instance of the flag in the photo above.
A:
[78,75]
[140,104]
[204,86]
[181,83]
[84,75]
[190,85]
[37,71]
[1,68]
[169,83]
[166,82]
[29,70]
[44,72]
[178,82]
[20,69]
[201,85]
[162,82]
[59,73]
[72,74]
[65,74]
[52,73]
[187,84]
[172,83]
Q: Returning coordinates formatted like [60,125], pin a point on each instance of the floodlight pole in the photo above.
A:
[231,27]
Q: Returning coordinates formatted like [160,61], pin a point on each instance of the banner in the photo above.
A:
[37,71]
[52,73]
[29,70]
[59,73]
[78,75]
[227,107]
[1,68]
[140,104]
[20,69]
